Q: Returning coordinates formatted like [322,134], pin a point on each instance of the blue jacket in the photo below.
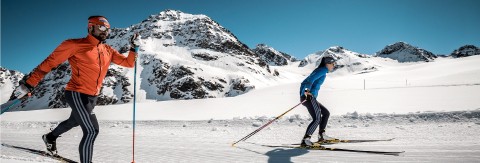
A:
[314,81]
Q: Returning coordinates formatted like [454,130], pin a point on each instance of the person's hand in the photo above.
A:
[308,95]
[135,40]
[23,89]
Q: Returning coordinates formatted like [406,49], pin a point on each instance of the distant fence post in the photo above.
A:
[363,84]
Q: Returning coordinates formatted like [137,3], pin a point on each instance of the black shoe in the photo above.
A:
[51,145]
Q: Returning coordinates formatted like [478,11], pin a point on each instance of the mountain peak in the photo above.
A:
[401,43]
[347,61]
[336,49]
[176,28]
[465,51]
[173,15]
[171,11]
[397,46]
[404,52]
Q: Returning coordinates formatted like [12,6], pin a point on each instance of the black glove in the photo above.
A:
[23,89]
[24,82]
[134,42]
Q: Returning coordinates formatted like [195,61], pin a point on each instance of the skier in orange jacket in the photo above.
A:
[89,60]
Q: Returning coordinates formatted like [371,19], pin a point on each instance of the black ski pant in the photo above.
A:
[319,115]
[82,114]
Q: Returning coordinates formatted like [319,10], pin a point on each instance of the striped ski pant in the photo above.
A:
[82,115]
[319,115]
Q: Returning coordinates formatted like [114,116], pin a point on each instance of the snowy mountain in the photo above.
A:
[465,51]
[273,57]
[347,61]
[404,52]
[8,81]
[182,56]
[185,56]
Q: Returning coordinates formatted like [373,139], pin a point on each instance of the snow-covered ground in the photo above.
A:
[426,137]
[431,109]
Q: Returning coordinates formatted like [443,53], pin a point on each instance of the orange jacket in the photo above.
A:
[89,60]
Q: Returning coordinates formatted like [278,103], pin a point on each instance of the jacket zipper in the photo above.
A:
[100,64]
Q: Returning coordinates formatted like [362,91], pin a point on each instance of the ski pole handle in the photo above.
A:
[268,123]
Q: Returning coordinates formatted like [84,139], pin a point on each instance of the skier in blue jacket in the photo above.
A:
[309,91]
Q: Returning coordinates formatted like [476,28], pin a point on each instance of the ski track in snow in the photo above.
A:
[434,137]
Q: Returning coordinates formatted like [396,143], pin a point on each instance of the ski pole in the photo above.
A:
[134,101]
[265,125]
[135,45]
[10,106]
[13,103]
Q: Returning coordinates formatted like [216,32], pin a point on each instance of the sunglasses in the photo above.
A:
[333,63]
[103,28]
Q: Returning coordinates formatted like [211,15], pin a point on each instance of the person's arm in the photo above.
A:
[121,60]
[315,75]
[28,82]
[64,51]
[129,61]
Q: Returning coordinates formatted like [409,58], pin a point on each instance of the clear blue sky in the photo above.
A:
[31,29]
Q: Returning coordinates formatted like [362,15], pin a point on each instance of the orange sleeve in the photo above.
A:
[58,56]
[121,60]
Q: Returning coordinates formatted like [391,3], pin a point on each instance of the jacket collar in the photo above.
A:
[93,40]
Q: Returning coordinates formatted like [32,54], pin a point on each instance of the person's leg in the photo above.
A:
[315,113]
[51,138]
[324,118]
[323,124]
[64,126]
[87,120]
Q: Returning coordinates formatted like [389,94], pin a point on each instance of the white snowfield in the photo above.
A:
[431,109]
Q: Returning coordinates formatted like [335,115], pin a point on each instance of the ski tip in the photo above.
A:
[399,154]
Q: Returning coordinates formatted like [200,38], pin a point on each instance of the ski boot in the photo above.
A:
[51,145]
[324,138]
[306,142]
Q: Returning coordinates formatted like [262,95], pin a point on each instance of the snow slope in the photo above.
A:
[443,85]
